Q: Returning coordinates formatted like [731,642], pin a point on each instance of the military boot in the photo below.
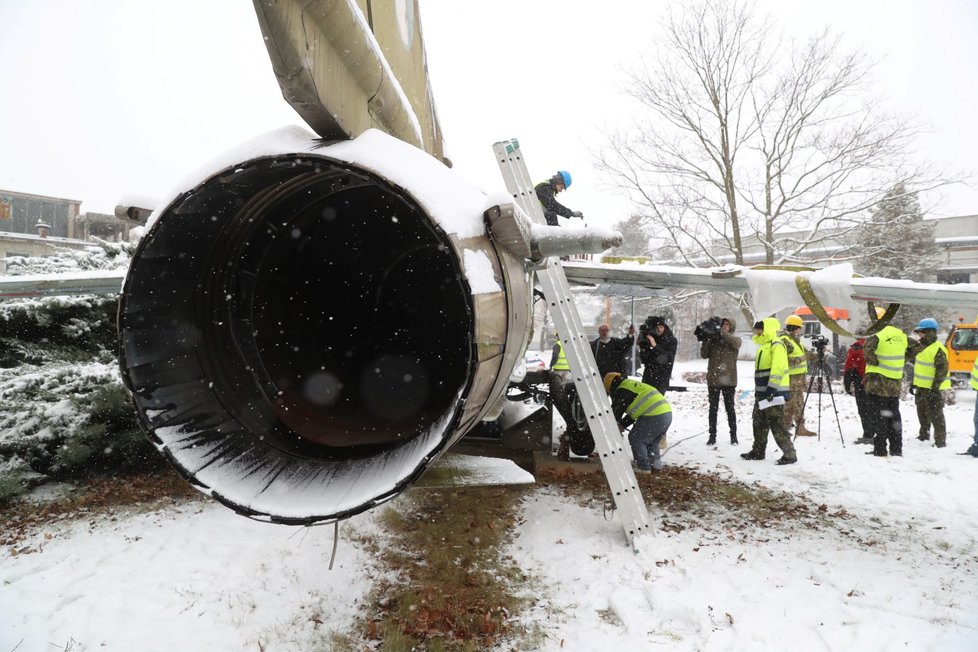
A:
[802,431]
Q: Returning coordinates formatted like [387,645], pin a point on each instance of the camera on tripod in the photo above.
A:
[708,330]
[819,342]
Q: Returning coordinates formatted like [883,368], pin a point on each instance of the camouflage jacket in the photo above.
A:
[878,384]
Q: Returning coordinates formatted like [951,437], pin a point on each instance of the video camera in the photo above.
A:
[648,328]
[819,342]
[708,330]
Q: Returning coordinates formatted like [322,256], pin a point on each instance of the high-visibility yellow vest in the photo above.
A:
[797,356]
[974,375]
[923,367]
[648,402]
[561,364]
[764,377]
[890,353]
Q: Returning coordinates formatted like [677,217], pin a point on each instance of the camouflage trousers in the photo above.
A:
[930,411]
[771,419]
[793,410]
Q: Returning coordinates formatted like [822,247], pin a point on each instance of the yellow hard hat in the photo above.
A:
[610,378]
[793,320]
[880,312]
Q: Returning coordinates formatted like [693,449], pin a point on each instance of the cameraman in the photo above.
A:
[719,346]
[657,351]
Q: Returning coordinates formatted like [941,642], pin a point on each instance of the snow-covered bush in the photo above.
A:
[101,255]
[63,409]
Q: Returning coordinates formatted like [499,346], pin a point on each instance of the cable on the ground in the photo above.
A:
[699,434]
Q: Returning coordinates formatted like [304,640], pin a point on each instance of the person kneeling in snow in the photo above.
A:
[644,406]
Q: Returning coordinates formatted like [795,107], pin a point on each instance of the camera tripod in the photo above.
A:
[824,380]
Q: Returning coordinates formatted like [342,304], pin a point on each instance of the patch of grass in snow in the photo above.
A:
[109,496]
[692,498]
[450,587]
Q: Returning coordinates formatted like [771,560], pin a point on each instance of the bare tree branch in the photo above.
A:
[746,144]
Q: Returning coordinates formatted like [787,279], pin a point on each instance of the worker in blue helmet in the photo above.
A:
[547,194]
[930,380]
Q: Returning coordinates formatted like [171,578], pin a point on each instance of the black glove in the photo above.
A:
[577,214]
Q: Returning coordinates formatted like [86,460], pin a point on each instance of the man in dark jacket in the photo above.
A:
[658,353]
[546,193]
[852,380]
[610,352]
[721,352]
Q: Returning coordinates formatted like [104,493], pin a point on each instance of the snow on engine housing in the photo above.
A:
[305,330]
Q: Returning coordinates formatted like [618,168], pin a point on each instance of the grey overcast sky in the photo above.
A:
[111,98]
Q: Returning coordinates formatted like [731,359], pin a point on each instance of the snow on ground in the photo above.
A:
[905,577]
[901,573]
[197,577]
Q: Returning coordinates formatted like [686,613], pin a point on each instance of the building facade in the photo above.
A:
[36,225]
[957,238]
[21,212]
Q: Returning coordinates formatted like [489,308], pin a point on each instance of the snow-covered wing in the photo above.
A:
[740,279]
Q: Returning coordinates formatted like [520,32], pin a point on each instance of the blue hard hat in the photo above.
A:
[926,323]
[565,175]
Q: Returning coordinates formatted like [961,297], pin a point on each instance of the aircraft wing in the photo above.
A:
[612,279]
[618,278]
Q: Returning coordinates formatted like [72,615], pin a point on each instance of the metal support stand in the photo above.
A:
[824,380]
[590,387]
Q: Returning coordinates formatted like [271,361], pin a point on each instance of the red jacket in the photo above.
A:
[855,367]
[855,358]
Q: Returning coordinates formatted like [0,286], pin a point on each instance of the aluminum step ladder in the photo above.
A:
[608,440]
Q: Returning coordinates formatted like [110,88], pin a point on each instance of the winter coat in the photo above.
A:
[771,362]
[855,367]
[721,352]
[551,207]
[611,355]
[659,359]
